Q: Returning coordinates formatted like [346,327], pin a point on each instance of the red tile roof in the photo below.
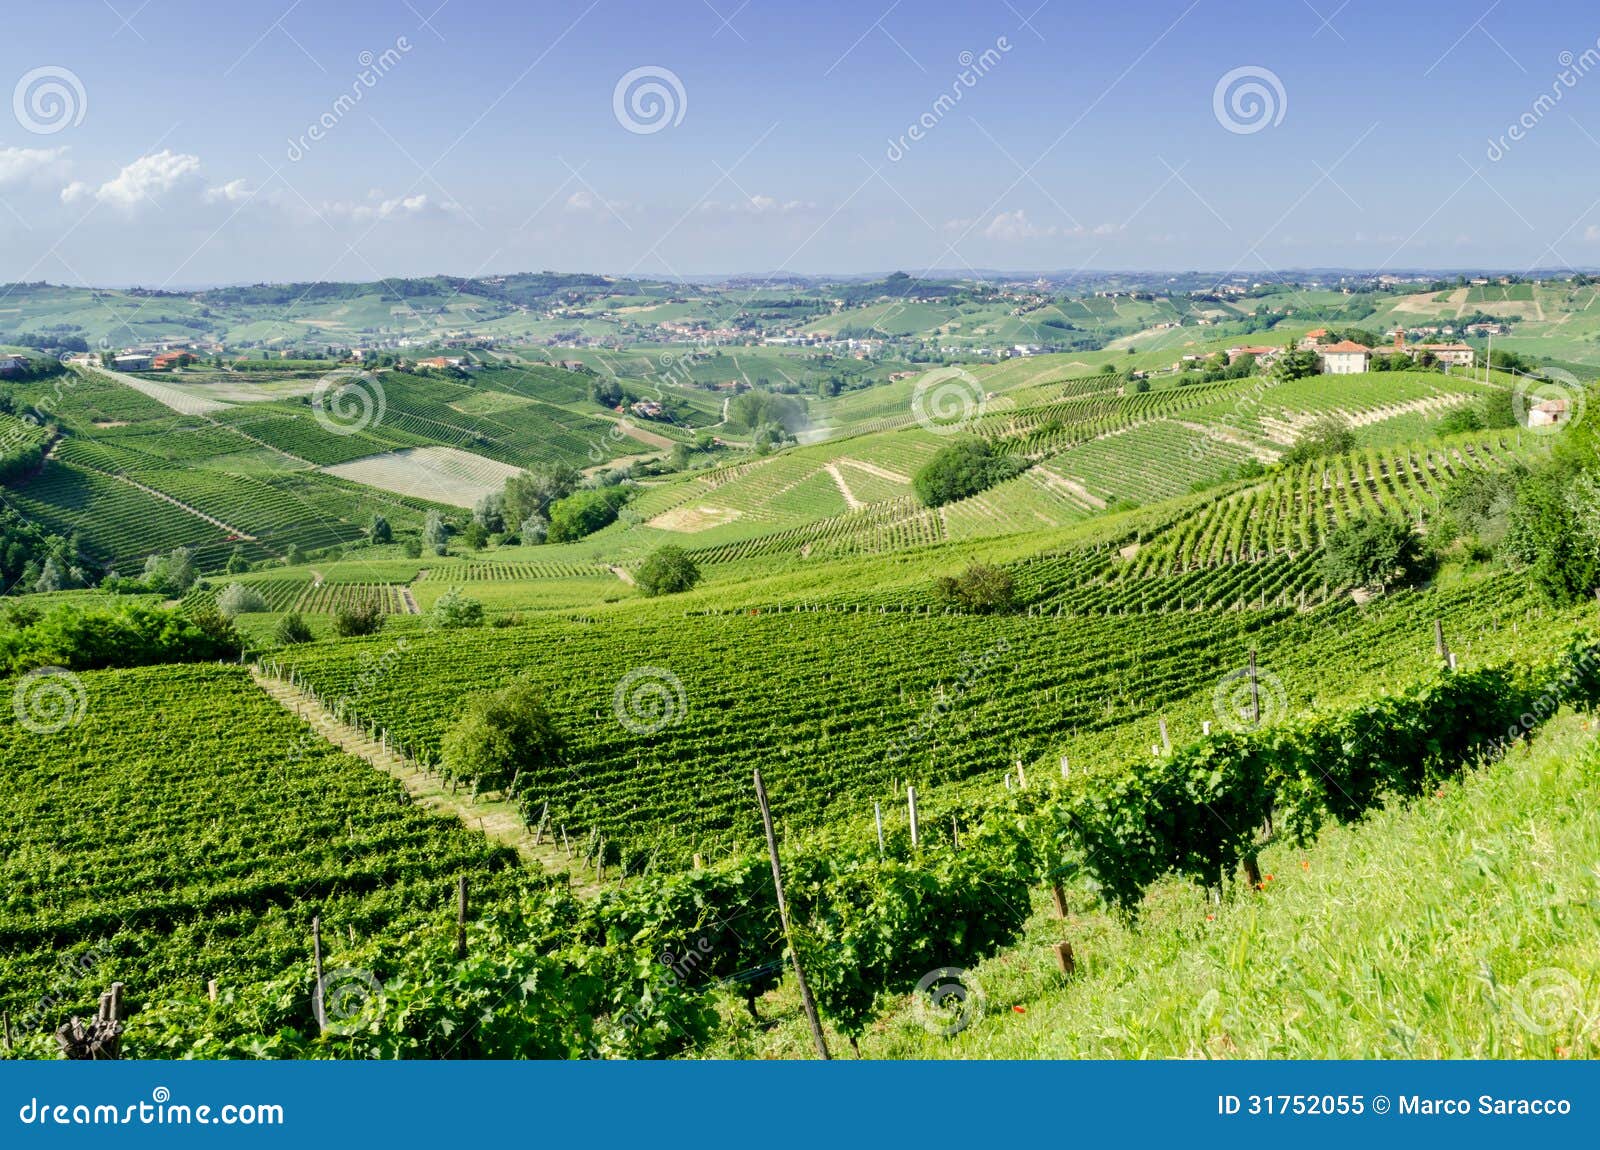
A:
[1346,345]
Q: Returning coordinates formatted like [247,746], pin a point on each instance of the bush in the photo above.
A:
[962,469]
[455,610]
[360,619]
[584,512]
[979,590]
[1327,435]
[500,735]
[667,572]
[131,636]
[1374,552]
[291,629]
[380,531]
[236,599]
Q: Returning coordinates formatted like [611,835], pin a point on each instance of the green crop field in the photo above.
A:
[1206,654]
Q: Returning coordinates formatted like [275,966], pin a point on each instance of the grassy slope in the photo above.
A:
[1463,925]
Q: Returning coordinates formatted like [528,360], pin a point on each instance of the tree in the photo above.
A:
[236,599]
[171,574]
[535,528]
[476,536]
[489,512]
[1327,435]
[668,571]
[1294,365]
[981,589]
[1547,535]
[501,735]
[534,490]
[1374,552]
[964,468]
[606,392]
[50,577]
[584,512]
[434,533]
[237,564]
[292,556]
[379,530]
[454,610]
[358,619]
[291,629]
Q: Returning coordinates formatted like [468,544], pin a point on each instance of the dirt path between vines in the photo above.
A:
[497,819]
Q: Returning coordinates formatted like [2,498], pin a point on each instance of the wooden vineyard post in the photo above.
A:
[5,1021]
[699,863]
[316,959]
[1438,639]
[1166,739]
[1059,898]
[1064,959]
[211,989]
[1022,778]
[1066,769]
[461,917]
[877,814]
[1255,692]
[783,918]
[538,835]
[911,806]
[955,833]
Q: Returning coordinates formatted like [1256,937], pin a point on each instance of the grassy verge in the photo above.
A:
[1465,925]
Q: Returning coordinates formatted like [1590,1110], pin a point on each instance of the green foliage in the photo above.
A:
[1550,535]
[454,610]
[981,589]
[500,735]
[1327,435]
[379,531]
[667,571]
[1374,551]
[363,618]
[533,491]
[171,574]
[129,636]
[963,468]
[237,599]
[585,512]
[754,410]
[290,630]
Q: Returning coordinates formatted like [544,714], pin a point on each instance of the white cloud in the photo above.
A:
[757,205]
[231,192]
[1009,226]
[378,207]
[141,181]
[1592,233]
[75,191]
[19,164]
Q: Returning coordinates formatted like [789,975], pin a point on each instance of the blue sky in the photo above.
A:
[176,149]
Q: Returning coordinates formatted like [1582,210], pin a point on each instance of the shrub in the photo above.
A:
[1374,552]
[584,512]
[668,571]
[979,590]
[130,636]
[291,629]
[380,531]
[501,734]
[1327,435]
[962,469]
[455,610]
[359,619]
[236,599]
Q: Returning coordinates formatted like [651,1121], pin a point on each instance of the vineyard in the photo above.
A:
[840,728]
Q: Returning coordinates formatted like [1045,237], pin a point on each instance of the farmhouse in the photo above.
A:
[1455,354]
[133,361]
[1263,355]
[1345,358]
[1548,413]
[12,364]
